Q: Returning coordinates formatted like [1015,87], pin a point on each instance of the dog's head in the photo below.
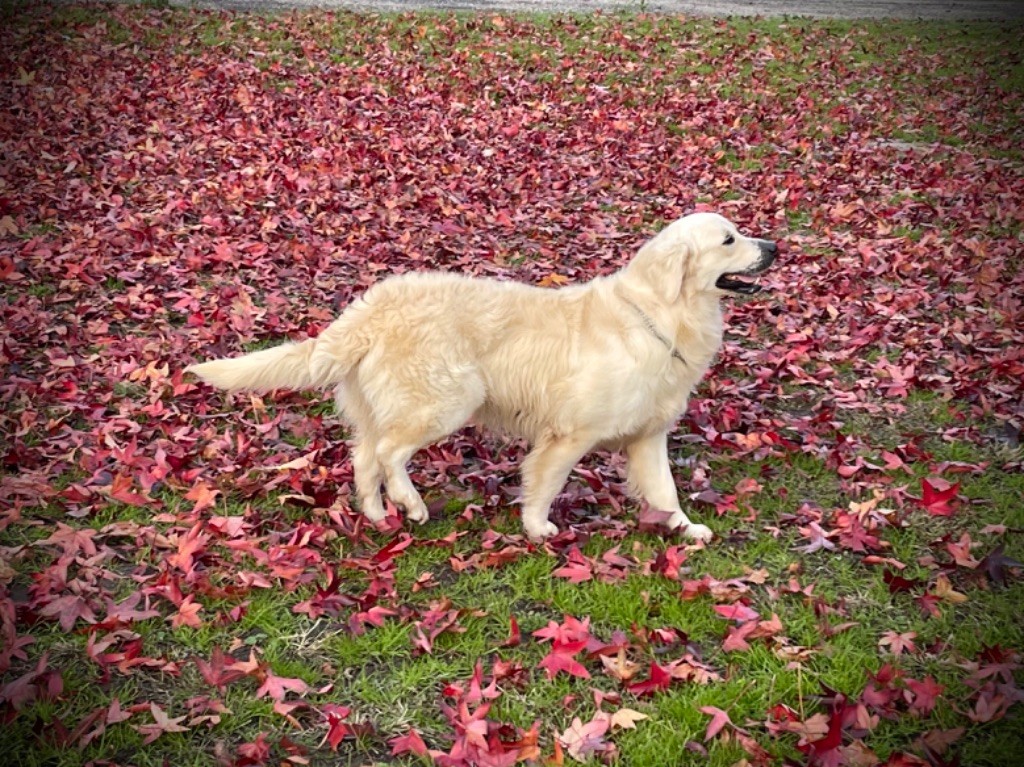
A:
[702,253]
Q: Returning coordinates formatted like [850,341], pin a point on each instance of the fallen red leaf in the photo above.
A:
[276,687]
[410,743]
[719,719]
[659,678]
[937,497]
[562,661]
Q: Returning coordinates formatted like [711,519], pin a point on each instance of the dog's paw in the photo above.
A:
[698,532]
[374,512]
[693,532]
[418,514]
[541,531]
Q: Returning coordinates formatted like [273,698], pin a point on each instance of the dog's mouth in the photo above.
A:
[745,282]
[739,282]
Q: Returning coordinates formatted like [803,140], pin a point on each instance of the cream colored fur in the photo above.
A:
[572,369]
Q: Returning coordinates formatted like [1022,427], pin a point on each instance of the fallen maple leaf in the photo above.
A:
[719,719]
[437,620]
[659,679]
[898,643]
[923,695]
[577,569]
[189,545]
[737,612]
[992,701]
[562,660]
[626,718]
[276,687]
[95,723]
[618,666]
[943,589]
[652,520]
[939,741]
[218,672]
[121,490]
[937,497]
[161,724]
[337,728]
[857,754]
[736,638]
[825,750]
[897,582]
[998,566]
[581,740]
[570,631]
[72,541]
[69,609]
[552,280]
[515,637]
[961,552]
[203,495]
[39,683]
[410,743]
[397,545]
[814,727]
[819,538]
[187,614]
[255,752]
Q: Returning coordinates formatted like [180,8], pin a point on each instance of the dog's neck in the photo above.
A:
[653,329]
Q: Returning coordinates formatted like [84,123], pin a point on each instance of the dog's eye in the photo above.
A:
[729,240]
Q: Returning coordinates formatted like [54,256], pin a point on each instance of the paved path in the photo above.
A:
[843,9]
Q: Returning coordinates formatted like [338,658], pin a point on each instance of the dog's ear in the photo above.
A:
[660,265]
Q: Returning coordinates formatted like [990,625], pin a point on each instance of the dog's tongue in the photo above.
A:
[738,283]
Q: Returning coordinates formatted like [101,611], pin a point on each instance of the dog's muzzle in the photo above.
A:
[734,282]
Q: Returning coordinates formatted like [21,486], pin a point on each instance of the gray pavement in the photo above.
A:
[850,9]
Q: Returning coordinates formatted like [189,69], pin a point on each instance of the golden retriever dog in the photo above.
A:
[609,363]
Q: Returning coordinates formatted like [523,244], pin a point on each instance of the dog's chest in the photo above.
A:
[667,393]
[647,395]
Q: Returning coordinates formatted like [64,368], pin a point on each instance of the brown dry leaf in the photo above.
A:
[858,755]
[943,589]
[553,280]
[939,741]
[814,727]
[759,576]
[794,653]
[620,666]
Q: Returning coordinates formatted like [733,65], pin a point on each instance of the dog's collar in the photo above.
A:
[649,324]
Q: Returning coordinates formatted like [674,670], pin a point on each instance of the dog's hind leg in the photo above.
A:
[544,471]
[368,474]
[366,469]
[393,454]
[650,477]
[449,405]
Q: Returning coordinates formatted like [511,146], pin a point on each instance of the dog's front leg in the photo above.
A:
[650,477]
[545,470]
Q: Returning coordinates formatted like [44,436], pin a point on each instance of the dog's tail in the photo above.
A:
[316,362]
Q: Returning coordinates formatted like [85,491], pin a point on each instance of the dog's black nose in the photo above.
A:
[769,250]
